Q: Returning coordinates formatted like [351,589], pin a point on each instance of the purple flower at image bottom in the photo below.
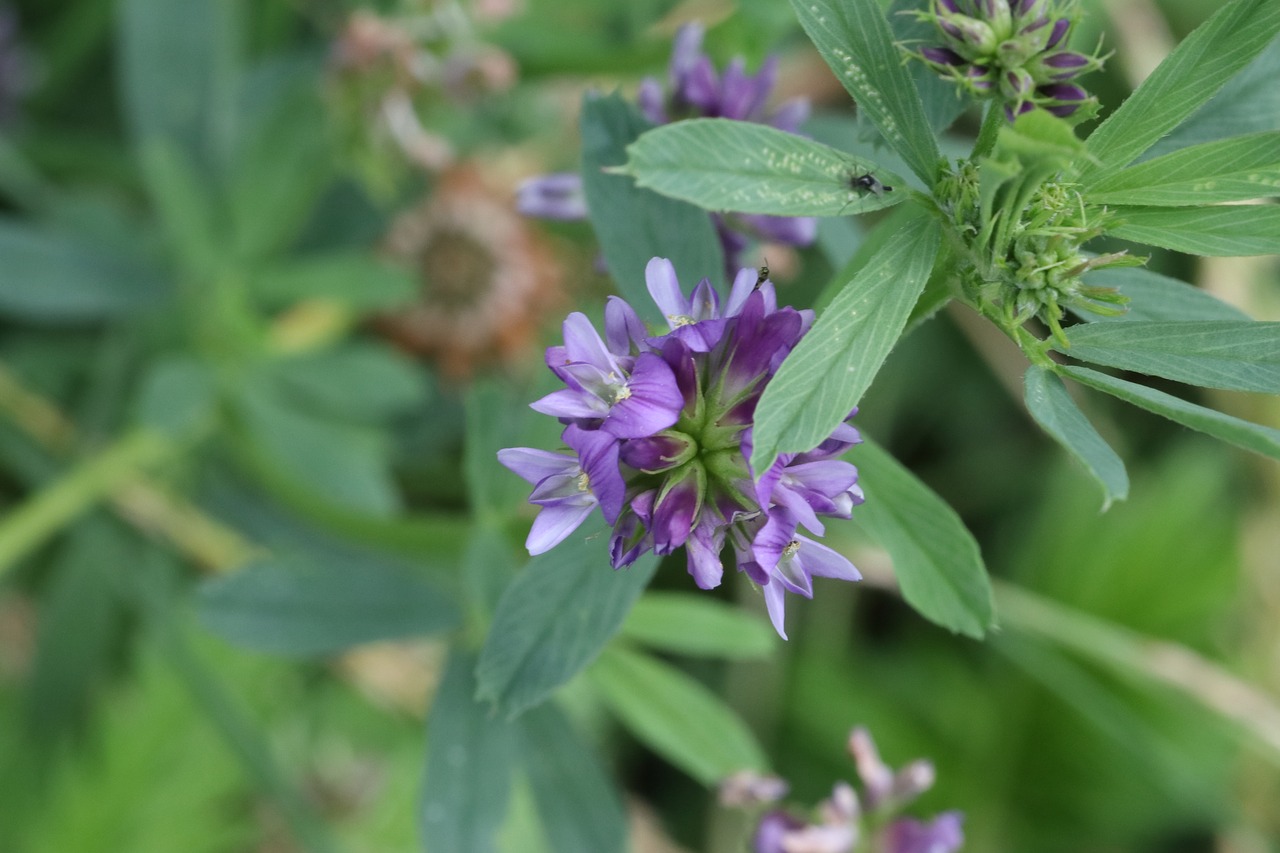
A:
[658,429]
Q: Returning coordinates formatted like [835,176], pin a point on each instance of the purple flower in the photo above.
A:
[1008,50]
[568,487]
[554,196]
[695,90]
[941,835]
[660,429]
[845,820]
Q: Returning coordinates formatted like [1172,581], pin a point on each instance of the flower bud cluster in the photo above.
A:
[847,821]
[659,432]
[1011,51]
[1022,254]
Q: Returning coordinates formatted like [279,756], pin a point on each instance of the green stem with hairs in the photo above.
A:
[991,124]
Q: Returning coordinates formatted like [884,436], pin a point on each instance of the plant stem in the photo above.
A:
[991,124]
[52,508]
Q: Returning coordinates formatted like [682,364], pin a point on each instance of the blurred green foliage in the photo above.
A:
[203,436]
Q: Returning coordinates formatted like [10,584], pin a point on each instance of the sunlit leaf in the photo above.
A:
[1055,411]
[1221,231]
[676,716]
[726,165]
[855,40]
[1157,297]
[935,559]
[826,374]
[1187,78]
[1236,356]
[1239,169]
[1242,433]
[690,624]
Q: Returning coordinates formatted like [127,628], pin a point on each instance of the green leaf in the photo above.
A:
[1055,411]
[1232,355]
[1188,77]
[46,276]
[357,382]
[575,798]
[345,464]
[296,606]
[178,76]
[498,416]
[355,279]
[554,619]
[471,756]
[855,40]
[740,166]
[696,625]
[825,375]
[1157,297]
[635,224]
[81,622]
[1221,231]
[1239,169]
[281,167]
[1250,436]
[1248,103]
[184,199]
[935,559]
[676,716]
[178,396]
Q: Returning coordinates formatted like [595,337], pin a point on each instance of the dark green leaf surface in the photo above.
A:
[575,798]
[676,716]
[1187,78]
[471,755]
[45,276]
[178,396]
[935,559]
[855,40]
[79,629]
[1222,231]
[1239,169]
[344,464]
[1250,436]
[1055,411]
[555,617]
[635,224]
[271,196]
[302,607]
[826,374]
[1157,297]
[357,382]
[726,165]
[1235,356]
[353,279]
[699,626]
[178,75]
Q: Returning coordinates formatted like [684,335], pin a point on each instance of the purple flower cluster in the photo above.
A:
[1013,51]
[695,90]
[844,821]
[659,435]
